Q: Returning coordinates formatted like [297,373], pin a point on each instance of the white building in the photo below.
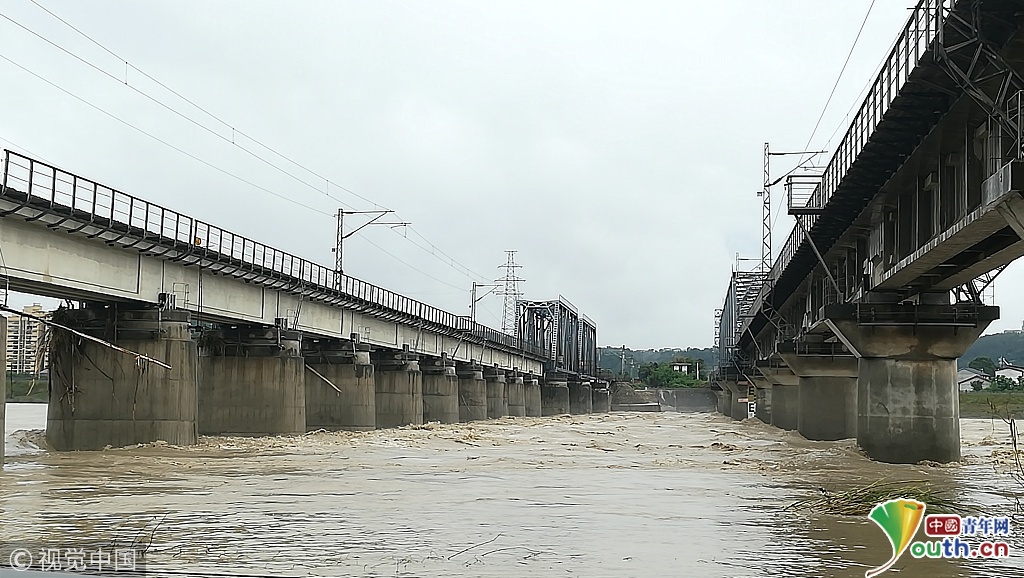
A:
[24,341]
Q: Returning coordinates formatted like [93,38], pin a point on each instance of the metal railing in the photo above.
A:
[911,46]
[134,222]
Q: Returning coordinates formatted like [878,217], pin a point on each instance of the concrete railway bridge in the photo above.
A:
[855,329]
[250,339]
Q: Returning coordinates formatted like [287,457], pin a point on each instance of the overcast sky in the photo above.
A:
[617,146]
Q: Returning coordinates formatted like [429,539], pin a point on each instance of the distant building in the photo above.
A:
[687,367]
[24,340]
[965,379]
[1012,372]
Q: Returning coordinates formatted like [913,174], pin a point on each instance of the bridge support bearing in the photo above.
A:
[497,397]
[602,400]
[472,395]
[348,367]
[580,399]
[516,389]
[908,404]
[100,397]
[252,383]
[440,392]
[827,401]
[531,393]
[554,398]
[399,390]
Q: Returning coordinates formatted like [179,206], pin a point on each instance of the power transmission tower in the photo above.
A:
[766,216]
[510,290]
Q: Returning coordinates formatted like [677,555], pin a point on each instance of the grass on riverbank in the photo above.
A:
[20,388]
[980,404]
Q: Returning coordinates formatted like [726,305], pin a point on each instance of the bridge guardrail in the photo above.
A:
[917,36]
[82,199]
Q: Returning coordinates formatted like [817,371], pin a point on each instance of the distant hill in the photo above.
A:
[1009,345]
[610,357]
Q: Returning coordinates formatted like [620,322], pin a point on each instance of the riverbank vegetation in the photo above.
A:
[27,388]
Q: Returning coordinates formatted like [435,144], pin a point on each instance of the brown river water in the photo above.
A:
[655,494]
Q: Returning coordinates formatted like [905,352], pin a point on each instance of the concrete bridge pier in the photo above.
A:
[3,380]
[251,381]
[580,398]
[737,409]
[100,396]
[827,404]
[531,393]
[515,386]
[554,397]
[602,400]
[497,397]
[348,402]
[440,391]
[472,393]
[399,389]
[908,404]
[724,396]
[763,409]
[785,386]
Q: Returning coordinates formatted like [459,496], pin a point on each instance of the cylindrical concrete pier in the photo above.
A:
[516,396]
[472,395]
[440,392]
[255,388]
[580,399]
[399,392]
[908,410]
[352,408]
[828,408]
[497,400]
[554,398]
[785,406]
[101,397]
[531,392]
[602,400]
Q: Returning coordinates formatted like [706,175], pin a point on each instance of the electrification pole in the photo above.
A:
[341,235]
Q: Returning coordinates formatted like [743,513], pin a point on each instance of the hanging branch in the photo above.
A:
[327,381]
[138,356]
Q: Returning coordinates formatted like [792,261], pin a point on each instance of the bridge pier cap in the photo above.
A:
[909,331]
[908,407]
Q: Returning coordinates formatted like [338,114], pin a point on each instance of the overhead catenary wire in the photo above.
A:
[828,101]
[235,132]
[160,140]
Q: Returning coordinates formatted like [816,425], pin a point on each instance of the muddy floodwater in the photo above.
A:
[642,494]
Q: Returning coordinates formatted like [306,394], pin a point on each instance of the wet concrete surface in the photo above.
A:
[622,494]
